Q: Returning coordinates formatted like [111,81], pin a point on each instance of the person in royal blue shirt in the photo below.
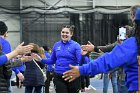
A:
[124,54]
[6,48]
[49,69]
[4,58]
[85,80]
[65,52]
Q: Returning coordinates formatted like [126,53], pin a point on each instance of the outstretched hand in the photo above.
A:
[36,57]
[89,47]
[20,49]
[71,74]
[20,76]
[26,58]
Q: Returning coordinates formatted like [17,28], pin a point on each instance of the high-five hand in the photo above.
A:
[89,47]
[36,57]
[20,49]
[71,74]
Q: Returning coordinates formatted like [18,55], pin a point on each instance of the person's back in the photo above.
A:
[33,74]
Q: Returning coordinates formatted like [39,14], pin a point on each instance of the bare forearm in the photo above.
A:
[11,55]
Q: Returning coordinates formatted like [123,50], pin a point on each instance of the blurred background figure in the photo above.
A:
[49,69]
[20,76]
[6,48]
[85,80]
[34,80]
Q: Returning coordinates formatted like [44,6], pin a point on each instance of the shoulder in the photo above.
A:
[4,41]
[131,41]
[75,43]
[128,45]
[57,43]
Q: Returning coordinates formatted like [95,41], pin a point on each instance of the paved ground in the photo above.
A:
[95,83]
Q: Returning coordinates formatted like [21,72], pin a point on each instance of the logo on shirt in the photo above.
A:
[58,48]
[68,48]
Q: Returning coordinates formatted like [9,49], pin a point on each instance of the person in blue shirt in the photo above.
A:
[4,58]
[85,80]
[125,54]
[6,48]
[64,52]
[49,69]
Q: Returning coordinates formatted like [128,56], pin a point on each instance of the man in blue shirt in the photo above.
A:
[124,54]
[20,50]
[6,48]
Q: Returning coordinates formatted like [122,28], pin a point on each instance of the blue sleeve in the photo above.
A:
[3,59]
[47,61]
[120,55]
[84,60]
[47,54]
[87,60]
[50,60]
[78,53]
[6,48]
[15,70]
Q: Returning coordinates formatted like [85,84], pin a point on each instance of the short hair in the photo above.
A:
[133,9]
[3,28]
[46,48]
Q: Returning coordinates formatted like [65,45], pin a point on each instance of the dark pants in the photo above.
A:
[85,81]
[63,86]
[29,89]
[49,76]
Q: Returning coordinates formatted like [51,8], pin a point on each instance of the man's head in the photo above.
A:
[133,11]
[3,28]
